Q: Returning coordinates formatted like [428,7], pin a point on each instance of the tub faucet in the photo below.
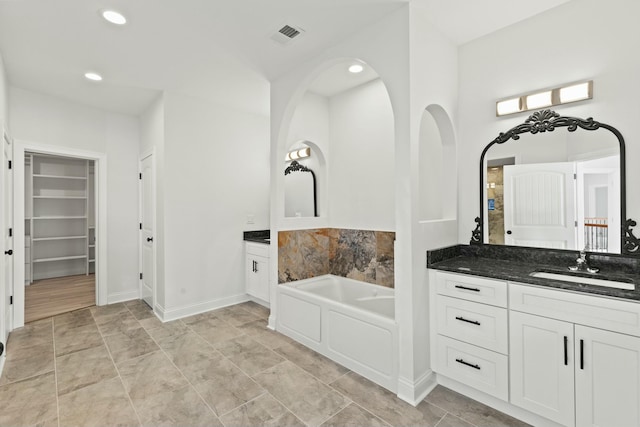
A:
[582,264]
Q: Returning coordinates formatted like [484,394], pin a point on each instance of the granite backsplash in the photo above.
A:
[364,255]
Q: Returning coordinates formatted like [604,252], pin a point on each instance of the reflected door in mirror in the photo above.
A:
[539,205]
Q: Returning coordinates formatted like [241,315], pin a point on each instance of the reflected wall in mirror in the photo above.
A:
[543,186]
[299,191]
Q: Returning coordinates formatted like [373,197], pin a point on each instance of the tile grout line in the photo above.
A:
[447,412]
[286,359]
[178,369]
[30,376]
[55,366]
[234,364]
[245,373]
[135,411]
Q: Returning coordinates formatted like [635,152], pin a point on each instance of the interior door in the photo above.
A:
[147,227]
[7,202]
[539,205]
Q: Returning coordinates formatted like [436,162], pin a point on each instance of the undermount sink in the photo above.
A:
[584,280]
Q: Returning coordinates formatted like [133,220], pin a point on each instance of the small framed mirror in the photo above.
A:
[299,191]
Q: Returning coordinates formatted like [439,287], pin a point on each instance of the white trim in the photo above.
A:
[5,288]
[100,160]
[3,358]
[190,310]
[414,392]
[122,296]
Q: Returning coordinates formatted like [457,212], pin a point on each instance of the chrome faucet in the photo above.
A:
[582,264]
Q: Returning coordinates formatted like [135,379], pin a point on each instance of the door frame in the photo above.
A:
[149,153]
[100,162]
[5,307]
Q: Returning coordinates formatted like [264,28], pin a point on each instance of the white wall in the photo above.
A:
[579,40]
[48,120]
[362,167]
[4,98]
[418,66]
[216,172]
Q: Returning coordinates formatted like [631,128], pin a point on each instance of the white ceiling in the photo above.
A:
[215,49]
[337,79]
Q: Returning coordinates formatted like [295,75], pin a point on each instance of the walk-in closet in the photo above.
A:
[60,235]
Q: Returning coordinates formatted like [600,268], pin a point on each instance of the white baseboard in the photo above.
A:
[414,392]
[122,296]
[271,324]
[2,360]
[189,310]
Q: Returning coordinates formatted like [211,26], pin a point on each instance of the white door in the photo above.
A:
[7,224]
[607,378]
[539,205]
[542,366]
[147,227]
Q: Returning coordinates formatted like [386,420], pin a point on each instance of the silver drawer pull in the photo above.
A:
[467,289]
[468,364]
[462,319]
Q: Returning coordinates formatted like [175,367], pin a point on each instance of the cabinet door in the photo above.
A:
[607,378]
[542,366]
[258,277]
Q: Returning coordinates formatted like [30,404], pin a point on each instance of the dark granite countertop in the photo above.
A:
[516,264]
[261,236]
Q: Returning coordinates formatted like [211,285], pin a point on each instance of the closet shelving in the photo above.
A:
[60,240]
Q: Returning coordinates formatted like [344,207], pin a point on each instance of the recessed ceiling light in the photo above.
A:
[114,17]
[356,68]
[93,76]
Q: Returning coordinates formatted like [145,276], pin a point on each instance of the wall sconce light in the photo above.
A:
[298,154]
[545,98]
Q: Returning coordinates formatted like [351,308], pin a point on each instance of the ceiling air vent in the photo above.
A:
[287,33]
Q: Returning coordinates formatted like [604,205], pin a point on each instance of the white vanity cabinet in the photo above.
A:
[470,319]
[549,356]
[575,374]
[257,271]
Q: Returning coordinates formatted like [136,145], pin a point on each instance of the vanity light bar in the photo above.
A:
[298,154]
[546,98]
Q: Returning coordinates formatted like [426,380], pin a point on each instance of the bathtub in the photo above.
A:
[349,321]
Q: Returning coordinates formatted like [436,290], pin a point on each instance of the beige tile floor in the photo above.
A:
[119,365]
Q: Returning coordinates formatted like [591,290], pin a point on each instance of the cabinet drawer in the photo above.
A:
[599,312]
[478,324]
[472,288]
[258,249]
[476,367]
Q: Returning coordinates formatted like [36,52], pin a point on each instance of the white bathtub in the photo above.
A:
[349,321]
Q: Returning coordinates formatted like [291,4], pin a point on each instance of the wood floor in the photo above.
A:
[49,297]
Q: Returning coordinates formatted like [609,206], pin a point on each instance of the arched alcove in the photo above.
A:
[437,170]
[349,119]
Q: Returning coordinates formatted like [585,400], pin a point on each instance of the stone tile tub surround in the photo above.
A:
[516,263]
[364,255]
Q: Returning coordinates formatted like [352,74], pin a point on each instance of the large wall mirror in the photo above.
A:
[555,182]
